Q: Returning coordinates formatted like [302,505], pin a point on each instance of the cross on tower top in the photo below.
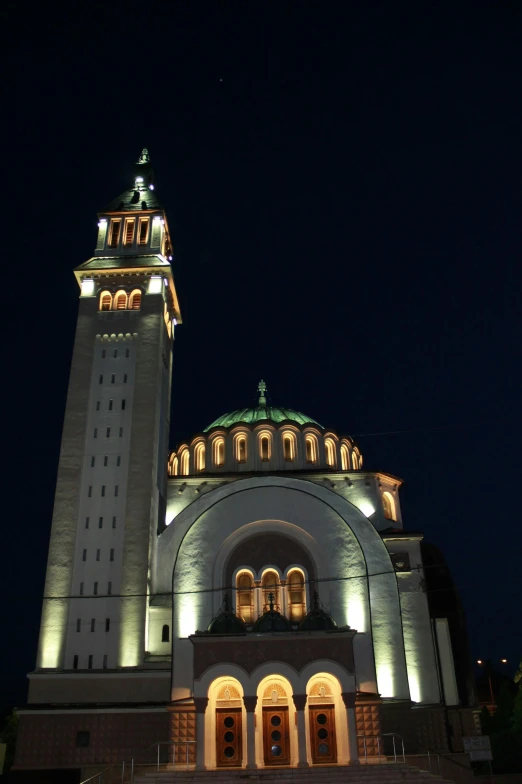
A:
[261,388]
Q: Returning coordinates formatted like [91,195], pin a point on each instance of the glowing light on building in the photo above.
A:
[155,284]
[366,507]
[87,287]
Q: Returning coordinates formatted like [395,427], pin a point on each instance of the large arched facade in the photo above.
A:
[344,560]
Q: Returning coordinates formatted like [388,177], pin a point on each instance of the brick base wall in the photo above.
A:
[49,740]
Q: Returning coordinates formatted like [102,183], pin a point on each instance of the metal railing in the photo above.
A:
[380,738]
[124,771]
[460,773]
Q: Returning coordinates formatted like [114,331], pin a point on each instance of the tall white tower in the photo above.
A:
[111,487]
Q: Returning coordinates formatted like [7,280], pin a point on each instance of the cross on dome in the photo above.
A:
[261,388]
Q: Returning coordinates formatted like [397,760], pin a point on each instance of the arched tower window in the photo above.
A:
[135,300]
[114,237]
[120,301]
[199,456]
[245,597]
[296,595]
[356,459]
[311,448]
[388,505]
[345,458]
[241,449]
[265,445]
[105,300]
[165,633]
[219,451]
[129,231]
[143,231]
[289,446]
[329,447]
[185,461]
[270,585]
[174,466]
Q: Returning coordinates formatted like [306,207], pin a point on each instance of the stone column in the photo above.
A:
[258,599]
[250,706]
[349,701]
[201,706]
[300,704]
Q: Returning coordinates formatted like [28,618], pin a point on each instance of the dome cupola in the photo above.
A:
[271,620]
[227,622]
[317,619]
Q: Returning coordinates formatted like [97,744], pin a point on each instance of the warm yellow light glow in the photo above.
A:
[264,440]
[105,300]
[241,448]
[330,452]
[311,448]
[184,462]
[504,661]
[54,625]
[87,287]
[345,457]
[155,284]
[120,301]
[479,661]
[388,504]
[289,446]
[199,456]
[219,451]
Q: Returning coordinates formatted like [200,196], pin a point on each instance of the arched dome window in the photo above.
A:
[311,448]
[329,446]
[388,505]
[135,300]
[296,595]
[199,456]
[265,445]
[219,451]
[120,301]
[345,458]
[356,459]
[271,587]
[241,449]
[174,466]
[245,597]
[105,300]
[289,446]
[185,462]
[165,633]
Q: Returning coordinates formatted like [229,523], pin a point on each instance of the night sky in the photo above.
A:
[342,182]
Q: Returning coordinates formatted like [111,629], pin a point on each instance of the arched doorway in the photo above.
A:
[323,696]
[275,710]
[225,724]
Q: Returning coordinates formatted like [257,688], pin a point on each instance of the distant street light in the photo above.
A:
[488,671]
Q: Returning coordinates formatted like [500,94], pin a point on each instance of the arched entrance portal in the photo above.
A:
[225,724]
[321,707]
[276,725]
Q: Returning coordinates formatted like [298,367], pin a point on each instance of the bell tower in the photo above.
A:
[111,486]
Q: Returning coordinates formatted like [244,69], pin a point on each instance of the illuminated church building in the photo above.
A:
[251,596]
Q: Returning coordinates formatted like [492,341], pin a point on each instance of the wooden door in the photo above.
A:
[229,752]
[322,734]
[276,742]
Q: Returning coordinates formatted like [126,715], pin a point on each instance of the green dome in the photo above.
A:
[251,415]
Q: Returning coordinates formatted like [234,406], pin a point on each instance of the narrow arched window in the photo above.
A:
[199,457]
[356,460]
[345,458]
[219,452]
[245,597]
[296,595]
[165,633]
[388,505]
[329,447]
[129,231]
[270,586]
[241,449]
[265,446]
[185,462]
[115,233]
[120,301]
[311,449]
[105,301]
[288,446]
[135,300]
[174,466]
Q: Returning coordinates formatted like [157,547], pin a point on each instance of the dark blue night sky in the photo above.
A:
[343,188]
